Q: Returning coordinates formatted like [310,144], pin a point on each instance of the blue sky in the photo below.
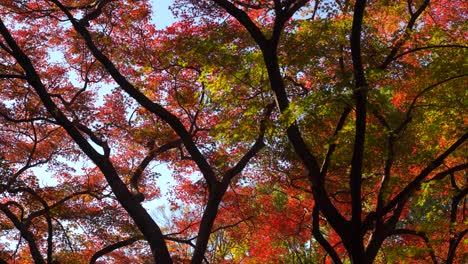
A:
[162,16]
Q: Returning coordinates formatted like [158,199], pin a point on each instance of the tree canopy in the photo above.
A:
[296,131]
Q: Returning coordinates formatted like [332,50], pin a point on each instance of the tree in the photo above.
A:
[314,131]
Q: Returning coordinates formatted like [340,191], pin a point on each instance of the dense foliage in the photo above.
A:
[295,131]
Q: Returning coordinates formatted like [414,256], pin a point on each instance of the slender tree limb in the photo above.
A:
[50,235]
[286,9]
[294,7]
[332,146]
[172,238]
[12,76]
[169,235]
[393,137]
[280,20]
[41,212]
[422,235]
[455,202]
[35,81]
[379,117]
[189,240]
[406,34]
[96,139]
[410,7]
[416,183]
[390,157]
[383,227]
[25,233]
[319,237]
[47,216]
[428,47]
[257,146]
[13,256]
[409,112]
[443,174]
[146,161]
[67,237]
[29,160]
[454,245]
[17,205]
[231,225]
[25,120]
[454,237]
[108,249]
[4,47]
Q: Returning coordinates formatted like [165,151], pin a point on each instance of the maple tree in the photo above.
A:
[296,131]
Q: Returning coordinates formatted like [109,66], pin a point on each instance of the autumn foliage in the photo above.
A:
[248,131]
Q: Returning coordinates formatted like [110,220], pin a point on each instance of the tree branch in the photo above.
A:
[454,245]
[47,216]
[416,183]
[108,249]
[25,233]
[404,37]
[421,93]
[441,175]
[12,76]
[422,235]
[146,161]
[454,237]
[41,212]
[244,19]
[319,237]
[428,47]
[257,146]
[98,7]
[332,146]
